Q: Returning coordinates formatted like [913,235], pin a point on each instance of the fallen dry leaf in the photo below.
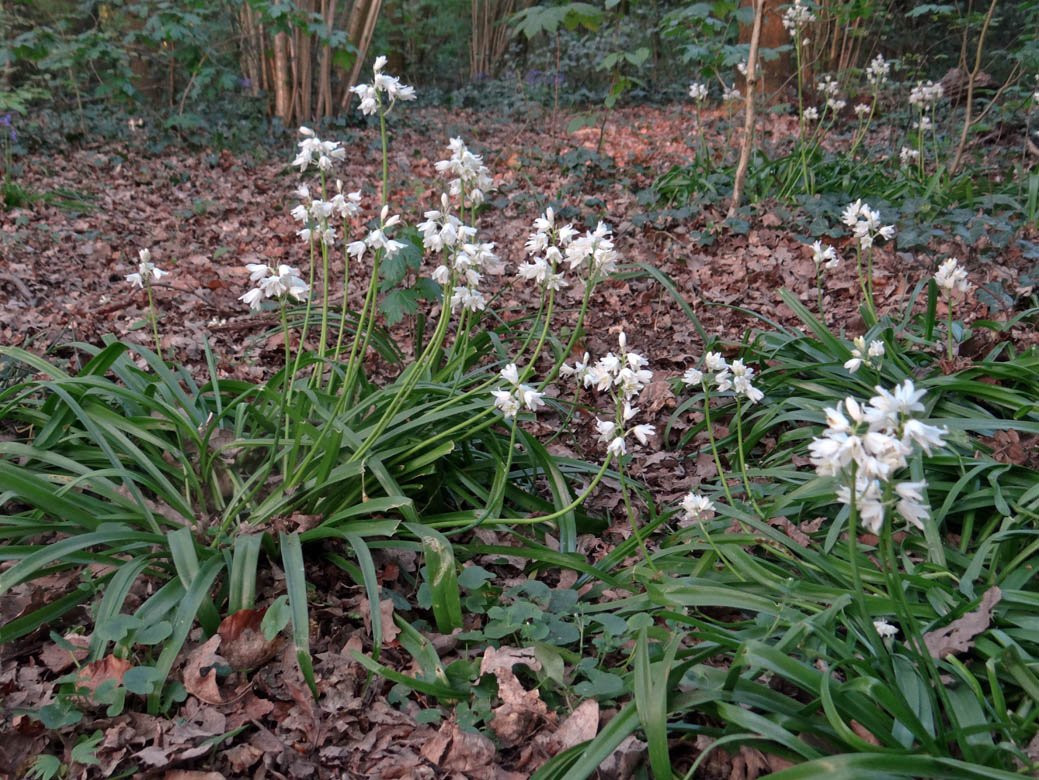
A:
[243,644]
[957,636]
[200,671]
[521,711]
[581,726]
[95,673]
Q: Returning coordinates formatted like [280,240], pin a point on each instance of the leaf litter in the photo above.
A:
[248,711]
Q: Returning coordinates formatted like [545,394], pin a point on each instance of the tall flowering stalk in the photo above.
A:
[951,280]
[867,230]
[824,257]
[621,376]
[878,73]
[796,20]
[147,272]
[923,98]
[865,448]
[738,378]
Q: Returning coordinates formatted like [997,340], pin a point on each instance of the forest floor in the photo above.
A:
[205,215]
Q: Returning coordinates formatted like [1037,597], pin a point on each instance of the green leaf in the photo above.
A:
[442,577]
[296,585]
[276,617]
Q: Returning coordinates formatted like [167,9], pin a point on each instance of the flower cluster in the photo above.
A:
[951,277]
[472,180]
[377,239]
[517,396]
[549,246]
[824,256]
[907,156]
[878,72]
[730,94]
[274,283]
[696,508]
[861,355]
[147,271]
[925,94]
[811,114]
[315,213]
[862,110]
[827,86]
[382,84]
[698,92]
[466,260]
[796,16]
[873,442]
[865,224]
[735,376]
[623,375]
[312,150]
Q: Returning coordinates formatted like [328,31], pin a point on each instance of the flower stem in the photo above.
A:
[714,444]
[154,317]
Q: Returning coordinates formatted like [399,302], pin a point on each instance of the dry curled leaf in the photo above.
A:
[957,637]
[521,711]
[200,671]
[243,644]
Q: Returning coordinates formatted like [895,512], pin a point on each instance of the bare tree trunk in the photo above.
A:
[972,75]
[490,35]
[251,49]
[748,114]
[363,16]
[324,87]
[282,91]
[305,79]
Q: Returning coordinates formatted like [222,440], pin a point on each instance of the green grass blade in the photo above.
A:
[296,586]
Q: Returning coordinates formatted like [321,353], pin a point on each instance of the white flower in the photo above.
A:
[713,361]
[878,439]
[861,110]
[796,16]
[861,355]
[617,447]
[506,402]
[274,283]
[865,224]
[950,277]
[877,72]
[823,255]
[642,433]
[731,94]
[926,94]
[907,156]
[698,92]
[253,298]
[313,150]
[692,376]
[836,105]
[382,84]
[697,507]
[925,436]
[884,629]
[811,114]
[828,86]
[911,503]
[147,272]
[519,395]
[923,124]
[606,429]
